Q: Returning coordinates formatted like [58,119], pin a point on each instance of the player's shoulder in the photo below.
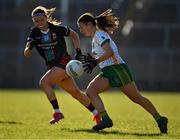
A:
[64,30]
[101,34]
[34,29]
[58,26]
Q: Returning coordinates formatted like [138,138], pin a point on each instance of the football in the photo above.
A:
[74,68]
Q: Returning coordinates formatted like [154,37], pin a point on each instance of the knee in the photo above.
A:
[90,93]
[42,83]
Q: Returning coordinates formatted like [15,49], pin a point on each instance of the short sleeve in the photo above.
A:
[31,36]
[64,30]
[102,38]
[31,39]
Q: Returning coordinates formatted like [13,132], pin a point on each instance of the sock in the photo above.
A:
[55,105]
[90,107]
[56,110]
[95,112]
[104,115]
[157,117]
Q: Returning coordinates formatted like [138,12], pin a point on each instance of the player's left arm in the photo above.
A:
[108,52]
[76,42]
[90,62]
[75,39]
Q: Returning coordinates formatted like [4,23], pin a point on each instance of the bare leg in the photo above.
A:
[69,85]
[96,86]
[46,83]
[59,77]
[131,91]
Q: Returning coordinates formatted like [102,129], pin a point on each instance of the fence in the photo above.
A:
[151,49]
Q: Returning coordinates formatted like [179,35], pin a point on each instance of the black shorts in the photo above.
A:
[59,63]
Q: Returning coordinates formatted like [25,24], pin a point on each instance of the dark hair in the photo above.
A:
[105,21]
[40,10]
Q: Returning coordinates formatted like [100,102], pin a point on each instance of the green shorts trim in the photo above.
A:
[118,75]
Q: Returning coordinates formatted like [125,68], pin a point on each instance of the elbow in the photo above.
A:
[111,53]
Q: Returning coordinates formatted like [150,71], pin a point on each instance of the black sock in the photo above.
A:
[104,115]
[157,117]
[55,104]
[90,107]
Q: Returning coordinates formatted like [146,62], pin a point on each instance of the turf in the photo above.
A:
[24,114]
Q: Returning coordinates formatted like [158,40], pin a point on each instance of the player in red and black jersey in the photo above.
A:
[47,37]
[51,44]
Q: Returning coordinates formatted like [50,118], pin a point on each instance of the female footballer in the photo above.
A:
[114,71]
[47,37]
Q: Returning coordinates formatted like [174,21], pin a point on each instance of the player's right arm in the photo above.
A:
[27,50]
[30,43]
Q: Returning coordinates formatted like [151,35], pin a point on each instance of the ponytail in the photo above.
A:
[105,21]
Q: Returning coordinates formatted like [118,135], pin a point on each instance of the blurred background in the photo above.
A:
[148,40]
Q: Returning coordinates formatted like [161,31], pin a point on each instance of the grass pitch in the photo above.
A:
[24,114]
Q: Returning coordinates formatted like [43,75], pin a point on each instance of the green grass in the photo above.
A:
[24,114]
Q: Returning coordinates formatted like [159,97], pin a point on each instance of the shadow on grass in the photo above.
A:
[10,122]
[114,132]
